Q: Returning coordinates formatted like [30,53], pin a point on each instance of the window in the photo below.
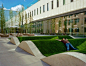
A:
[65,30]
[37,11]
[57,3]
[63,2]
[69,22]
[76,14]
[84,13]
[65,22]
[85,29]
[51,4]
[77,30]
[71,0]
[34,12]
[40,10]
[43,8]
[70,15]
[85,21]
[76,21]
[47,6]
[25,16]
[70,29]
[28,15]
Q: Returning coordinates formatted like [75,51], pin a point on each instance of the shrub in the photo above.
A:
[42,38]
[68,37]
[82,46]
[35,38]
[50,47]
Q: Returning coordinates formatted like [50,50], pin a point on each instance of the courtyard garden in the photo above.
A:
[49,46]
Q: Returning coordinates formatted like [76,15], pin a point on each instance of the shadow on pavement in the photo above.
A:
[19,50]
[10,43]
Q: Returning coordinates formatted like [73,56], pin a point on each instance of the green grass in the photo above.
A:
[42,38]
[9,38]
[51,47]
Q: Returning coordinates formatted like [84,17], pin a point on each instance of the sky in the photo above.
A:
[16,4]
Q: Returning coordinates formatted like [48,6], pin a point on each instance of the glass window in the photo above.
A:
[25,16]
[84,13]
[28,15]
[51,4]
[47,6]
[76,14]
[37,11]
[40,10]
[71,29]
[85,21]
[77,30]
[71,0]
[75,22]
[85,29]
[57,3]
[43,8]
[32,13]
[69,22]
[63,2]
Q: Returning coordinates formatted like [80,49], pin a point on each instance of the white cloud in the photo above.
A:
[17,8]
[6,9]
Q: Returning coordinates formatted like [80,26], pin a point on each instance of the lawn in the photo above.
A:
[49,46]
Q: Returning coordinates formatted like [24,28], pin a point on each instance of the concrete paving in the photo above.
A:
[11,55]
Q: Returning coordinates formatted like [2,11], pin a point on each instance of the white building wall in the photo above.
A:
[69,6]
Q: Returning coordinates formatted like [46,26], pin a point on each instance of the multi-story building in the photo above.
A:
[56,16]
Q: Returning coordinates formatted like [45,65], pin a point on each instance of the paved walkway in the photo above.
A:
[11,55]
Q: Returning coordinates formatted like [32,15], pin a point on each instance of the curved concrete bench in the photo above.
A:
[30,47]
[15,40]
[63,60]
[77,55]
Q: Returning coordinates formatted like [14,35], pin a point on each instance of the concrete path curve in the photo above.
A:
[11,55]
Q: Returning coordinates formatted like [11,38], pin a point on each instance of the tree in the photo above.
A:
[53,26]
[2,20]
[26,25]
[59,25]
[30,24]
[42,27]
[19,19]
[47,26]
[11,16]
[65,24]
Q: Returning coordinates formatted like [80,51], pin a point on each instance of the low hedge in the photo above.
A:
[42,37]
[68,37]
[50,47]
[35,38]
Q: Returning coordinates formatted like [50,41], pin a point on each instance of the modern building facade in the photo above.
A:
[55,16]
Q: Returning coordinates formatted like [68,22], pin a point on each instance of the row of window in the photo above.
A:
[71,21]
[71,30]
[76,30]
[44,8]
[64,2]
